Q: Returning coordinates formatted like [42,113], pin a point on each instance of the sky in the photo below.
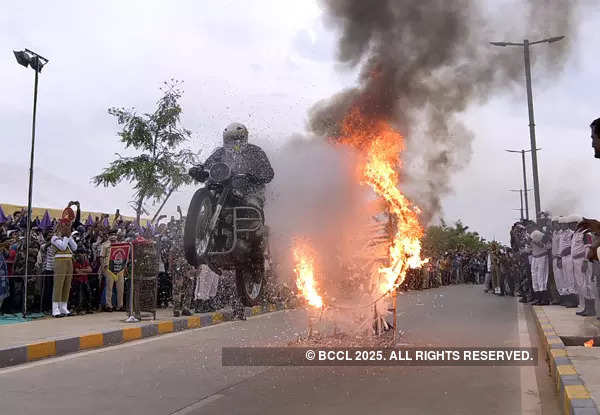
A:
[263,63]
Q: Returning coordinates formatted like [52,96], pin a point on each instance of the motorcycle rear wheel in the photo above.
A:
[250,283]
[196,235]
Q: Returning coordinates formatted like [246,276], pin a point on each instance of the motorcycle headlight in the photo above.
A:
[219,172]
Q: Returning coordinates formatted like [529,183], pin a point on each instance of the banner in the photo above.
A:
[118,259]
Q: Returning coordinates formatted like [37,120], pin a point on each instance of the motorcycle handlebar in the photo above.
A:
[201,174]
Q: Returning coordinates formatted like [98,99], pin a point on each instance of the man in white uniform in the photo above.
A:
[207,283]
[582,268]
[566,262]
[558,274]
[540,267]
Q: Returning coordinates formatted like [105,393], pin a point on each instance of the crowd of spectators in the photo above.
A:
[90,290]
[556,261]
[453,267]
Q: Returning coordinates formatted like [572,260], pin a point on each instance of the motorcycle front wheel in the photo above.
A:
[196,234]
[249,283]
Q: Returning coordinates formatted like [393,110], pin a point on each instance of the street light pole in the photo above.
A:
[28,238]
[525,189]
[525,185]
[534,165]
[29,58]
[521,196]
[526,44]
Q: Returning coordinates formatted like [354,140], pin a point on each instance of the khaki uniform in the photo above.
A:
[63,275]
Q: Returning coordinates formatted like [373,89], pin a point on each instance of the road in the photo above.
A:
[181,373]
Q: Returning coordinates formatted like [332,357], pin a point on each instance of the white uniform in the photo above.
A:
[539,265]
[207,283]
[558,274]
[582,267]
[567,262]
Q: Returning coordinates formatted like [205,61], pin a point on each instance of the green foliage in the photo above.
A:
[161,165]
[443,238]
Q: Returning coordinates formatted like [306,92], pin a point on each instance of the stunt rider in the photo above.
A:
[242,158]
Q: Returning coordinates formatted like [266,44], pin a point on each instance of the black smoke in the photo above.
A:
[422,63]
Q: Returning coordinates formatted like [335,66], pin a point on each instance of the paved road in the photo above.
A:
[181,373]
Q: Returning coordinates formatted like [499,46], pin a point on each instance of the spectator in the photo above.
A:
[4,287]
[207,284]
[48,251]
[109,278]
[81,270]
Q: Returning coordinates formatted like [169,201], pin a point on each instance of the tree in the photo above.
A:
[443,238]
[161,167]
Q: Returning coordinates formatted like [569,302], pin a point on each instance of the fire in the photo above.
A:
[589,343]
[304,258]
[381,146]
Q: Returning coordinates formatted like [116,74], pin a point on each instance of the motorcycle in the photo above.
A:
[225,233]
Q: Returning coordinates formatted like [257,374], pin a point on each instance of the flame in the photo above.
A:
[589,343]
[304,257]
[381,147]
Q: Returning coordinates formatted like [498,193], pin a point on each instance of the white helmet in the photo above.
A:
[235,134]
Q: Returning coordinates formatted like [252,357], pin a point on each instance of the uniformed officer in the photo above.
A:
[582,269]
[540,267]
[183,277]
[566,262]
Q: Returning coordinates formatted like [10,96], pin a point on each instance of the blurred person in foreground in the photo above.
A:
[593,225]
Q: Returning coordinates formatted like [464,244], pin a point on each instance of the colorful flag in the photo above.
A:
[46,222]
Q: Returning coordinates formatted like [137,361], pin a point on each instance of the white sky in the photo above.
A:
[263,63]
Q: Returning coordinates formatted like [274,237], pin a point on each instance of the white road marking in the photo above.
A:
[76,355]
[530,396]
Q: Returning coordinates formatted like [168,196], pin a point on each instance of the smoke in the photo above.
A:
[315,196]
[422,63]
[563,201]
